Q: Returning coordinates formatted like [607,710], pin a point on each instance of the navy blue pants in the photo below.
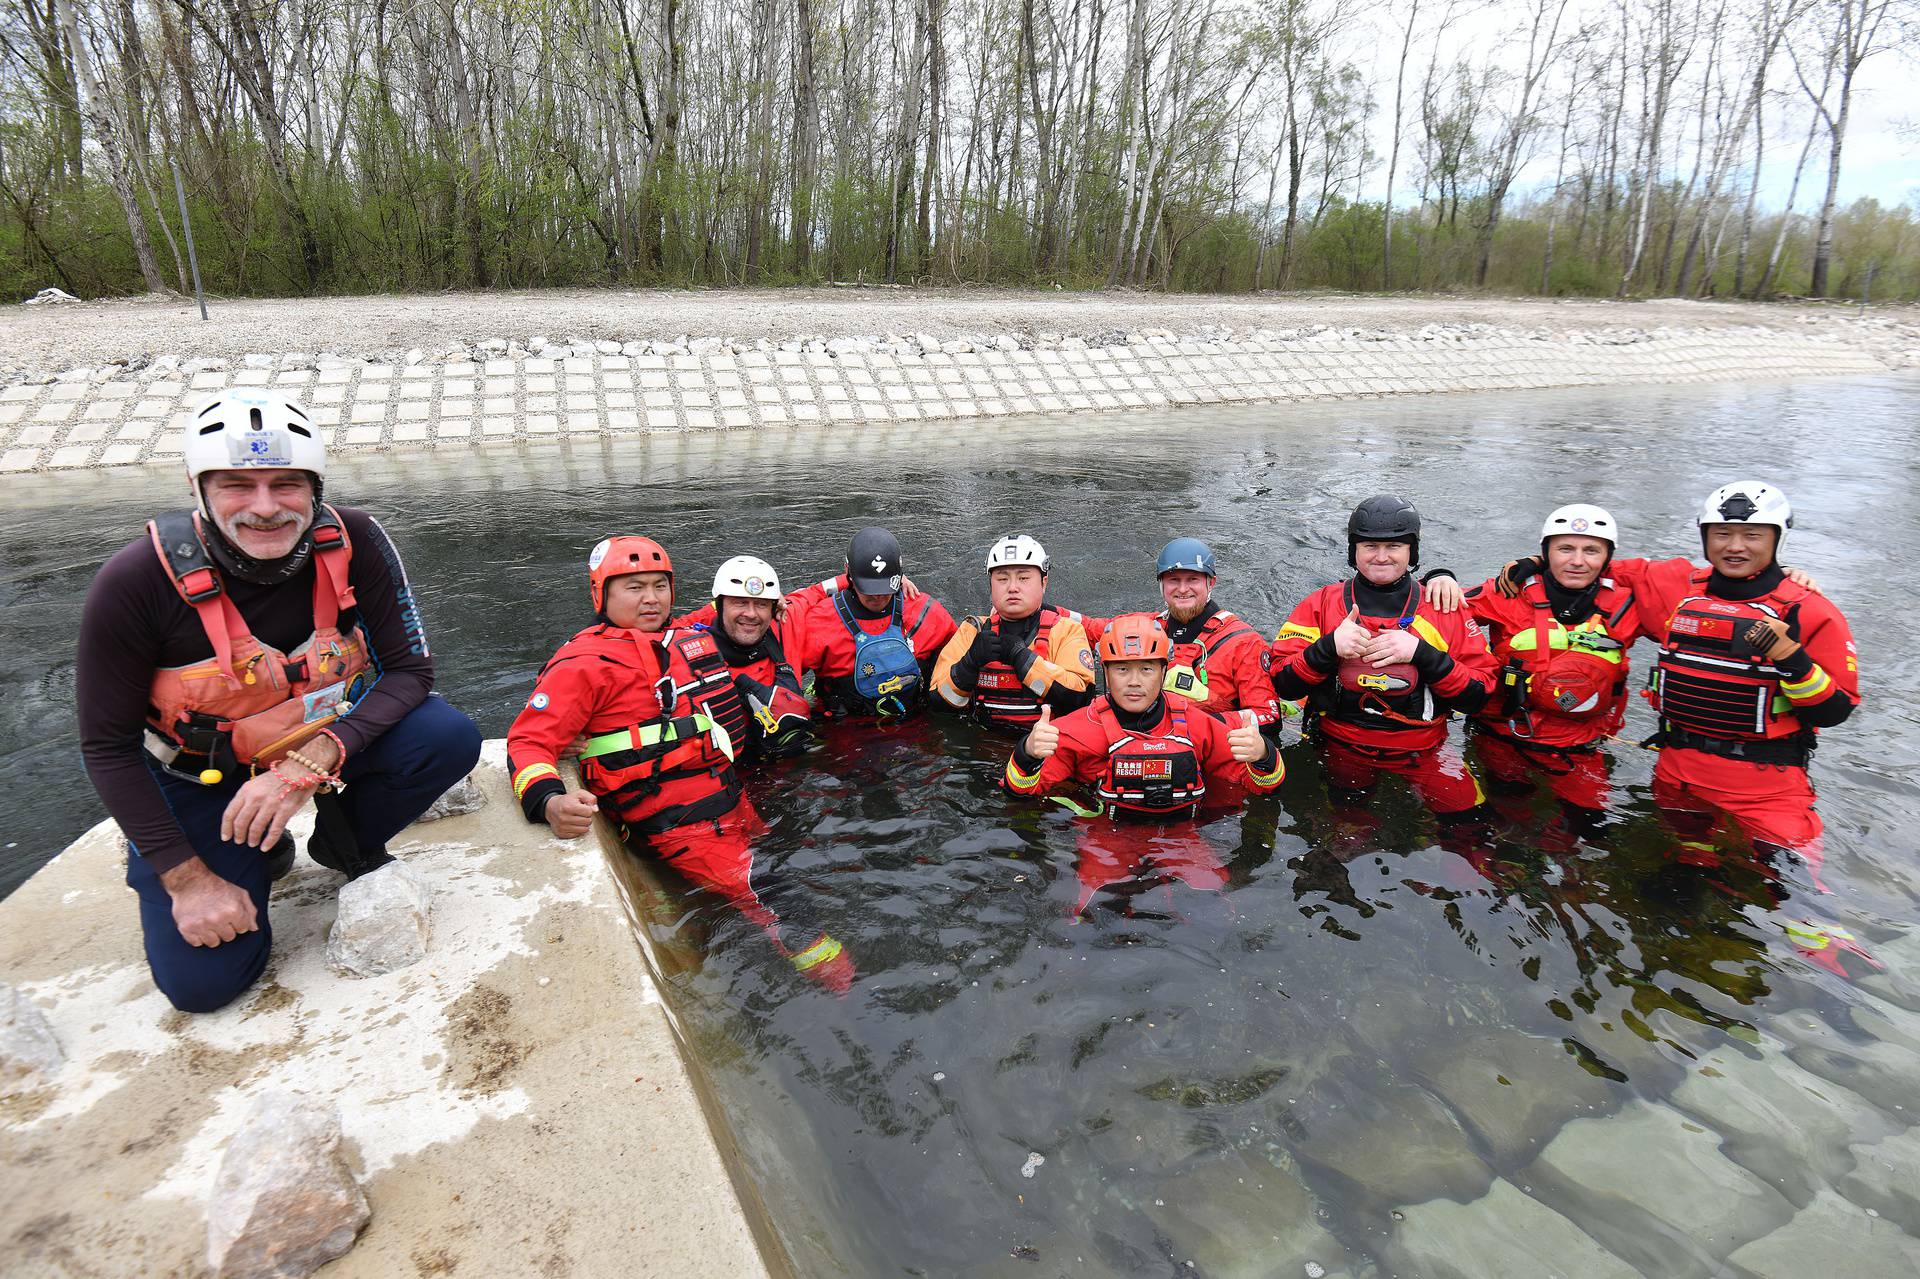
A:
[389,783]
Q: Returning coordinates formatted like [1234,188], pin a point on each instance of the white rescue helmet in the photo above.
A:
[252,430]
[1748,502]
[1017,550]
[747,577]
[1582,519]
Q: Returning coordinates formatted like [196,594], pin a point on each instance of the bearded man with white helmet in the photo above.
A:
[1561,643]
[1024,654]
[239,660]
[1753,663]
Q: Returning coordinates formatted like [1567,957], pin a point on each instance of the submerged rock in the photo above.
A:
[1503,1235]
[1831,1236]
[27,1043]
[284,1201]
[384,921]
[1886,1178]
[1653,1187]
[1242,1216]
[1515,1091]
[463,797]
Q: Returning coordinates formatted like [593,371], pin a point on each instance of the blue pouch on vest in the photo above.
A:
[885,671]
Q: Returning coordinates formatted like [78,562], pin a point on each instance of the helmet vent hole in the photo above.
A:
[255,420]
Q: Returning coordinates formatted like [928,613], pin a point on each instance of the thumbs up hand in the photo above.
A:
[1043,739]
[1350,638]
[1245,741]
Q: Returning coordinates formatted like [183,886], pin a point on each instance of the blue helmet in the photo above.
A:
[1188,553]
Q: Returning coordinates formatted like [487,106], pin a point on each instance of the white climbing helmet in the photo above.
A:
[252,430]
[1748,502]
[1583,519]
[747,577]
[1017,550]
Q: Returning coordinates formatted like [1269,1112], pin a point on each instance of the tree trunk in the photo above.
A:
[113,140]
[806,146]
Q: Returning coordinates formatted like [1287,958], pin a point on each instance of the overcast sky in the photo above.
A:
[1882,157]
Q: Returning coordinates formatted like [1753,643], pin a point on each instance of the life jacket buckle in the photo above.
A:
[200,585]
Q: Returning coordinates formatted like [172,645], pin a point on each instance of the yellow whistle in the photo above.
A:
[211,776]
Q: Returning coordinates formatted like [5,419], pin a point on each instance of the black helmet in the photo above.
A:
[1383,518]
[873,562]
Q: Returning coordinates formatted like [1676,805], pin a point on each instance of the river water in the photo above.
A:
[1614,1062]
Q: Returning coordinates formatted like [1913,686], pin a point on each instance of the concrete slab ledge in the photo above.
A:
[516,1103]
[125,416]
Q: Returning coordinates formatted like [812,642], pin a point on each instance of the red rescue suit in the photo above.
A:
[1394,719]
[1219,662]
[1737,731]
[820,636]
[1160,767]
[661,715]
[249,704]
[1562,689]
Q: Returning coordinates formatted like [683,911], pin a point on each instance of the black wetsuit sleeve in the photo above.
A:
[394,630]
[118,652]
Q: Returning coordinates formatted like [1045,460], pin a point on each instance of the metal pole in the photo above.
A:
[193,258]
[1866,294]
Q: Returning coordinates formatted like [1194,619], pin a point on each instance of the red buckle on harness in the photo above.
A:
[207,587]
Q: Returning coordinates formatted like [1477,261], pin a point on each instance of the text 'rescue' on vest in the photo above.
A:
[1715,694]
[1000,696]
[250,703]
[702,717]
[1150,774]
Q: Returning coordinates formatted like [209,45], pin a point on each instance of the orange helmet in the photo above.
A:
[1135,637]
[618,556]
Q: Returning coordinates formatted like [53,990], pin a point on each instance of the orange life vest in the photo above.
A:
[249,704]
[999,697]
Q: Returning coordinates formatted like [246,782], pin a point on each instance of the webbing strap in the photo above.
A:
[643,736]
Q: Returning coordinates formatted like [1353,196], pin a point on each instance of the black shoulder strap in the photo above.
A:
[176,536]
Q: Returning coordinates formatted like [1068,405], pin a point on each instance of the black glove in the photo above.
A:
[988,646]
[984,649]
[1517,573]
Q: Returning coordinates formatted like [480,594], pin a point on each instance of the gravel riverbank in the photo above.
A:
[85,384]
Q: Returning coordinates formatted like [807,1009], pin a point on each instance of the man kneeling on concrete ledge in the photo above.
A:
[237,661]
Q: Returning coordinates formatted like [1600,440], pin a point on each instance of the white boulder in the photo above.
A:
[284,1201]
[384,922]
[27,1044]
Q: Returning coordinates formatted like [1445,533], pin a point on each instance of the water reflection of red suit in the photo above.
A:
[1150,772]
[1144,853]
